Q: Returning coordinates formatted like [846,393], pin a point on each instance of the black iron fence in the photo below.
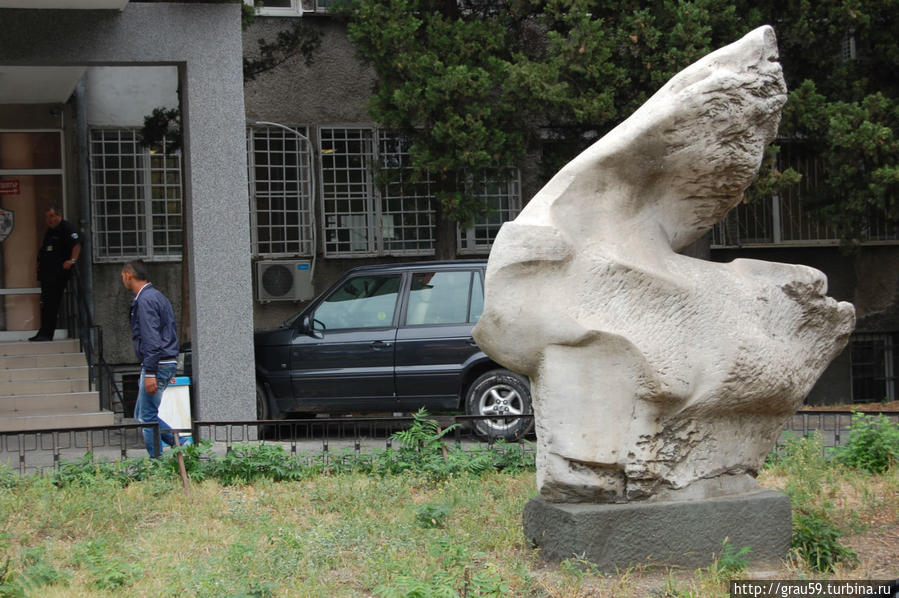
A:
[37,451]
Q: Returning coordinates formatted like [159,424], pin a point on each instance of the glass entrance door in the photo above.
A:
[31,178]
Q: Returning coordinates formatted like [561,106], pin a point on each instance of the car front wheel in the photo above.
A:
[502,394]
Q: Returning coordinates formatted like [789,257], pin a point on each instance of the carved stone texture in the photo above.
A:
[656,375]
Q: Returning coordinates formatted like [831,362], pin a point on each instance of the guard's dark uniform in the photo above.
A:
[55,250]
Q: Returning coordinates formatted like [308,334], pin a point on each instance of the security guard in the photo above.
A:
[58,253]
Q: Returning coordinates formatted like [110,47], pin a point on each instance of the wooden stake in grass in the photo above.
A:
[181,467]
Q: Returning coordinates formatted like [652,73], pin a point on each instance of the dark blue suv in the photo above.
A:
[391,338]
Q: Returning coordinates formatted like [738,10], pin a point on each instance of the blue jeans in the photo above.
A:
[147,408]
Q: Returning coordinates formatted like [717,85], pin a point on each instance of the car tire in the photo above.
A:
[502,393]
[263,411]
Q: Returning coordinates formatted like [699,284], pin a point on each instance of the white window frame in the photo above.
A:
[367,220]
[304,184]
[471,240]
[147,220]
[295,10]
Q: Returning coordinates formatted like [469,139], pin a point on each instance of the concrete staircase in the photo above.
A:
[46,386]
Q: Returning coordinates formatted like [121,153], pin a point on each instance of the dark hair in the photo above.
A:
[137,268]
[53,207]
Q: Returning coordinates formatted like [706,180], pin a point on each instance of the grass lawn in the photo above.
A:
[355,534]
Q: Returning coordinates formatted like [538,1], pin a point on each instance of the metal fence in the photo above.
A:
[29,452]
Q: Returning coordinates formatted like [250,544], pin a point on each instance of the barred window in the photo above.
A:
[277,8]
[136,195]
[280,170]
[874,362]
[786,219]
[406,219]
[370,204]
[500,191]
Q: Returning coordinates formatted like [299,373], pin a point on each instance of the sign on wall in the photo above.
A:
[9,187]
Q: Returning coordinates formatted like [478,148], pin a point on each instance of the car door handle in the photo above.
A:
[472,342]
[381,345]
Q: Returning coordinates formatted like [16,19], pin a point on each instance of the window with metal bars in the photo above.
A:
[371,203]
[874,363]
[786,219]
[280,177]
[500,190]
[136,198]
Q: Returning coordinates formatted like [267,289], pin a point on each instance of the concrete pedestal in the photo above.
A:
[677,533]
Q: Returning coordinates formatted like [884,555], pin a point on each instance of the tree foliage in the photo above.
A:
[478,83]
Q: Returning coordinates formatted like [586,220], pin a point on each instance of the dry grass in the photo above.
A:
[353,535]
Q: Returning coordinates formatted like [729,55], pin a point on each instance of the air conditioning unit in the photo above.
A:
[284,280]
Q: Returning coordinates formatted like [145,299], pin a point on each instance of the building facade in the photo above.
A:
[324,189]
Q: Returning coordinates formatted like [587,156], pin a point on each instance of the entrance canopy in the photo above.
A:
[215,181]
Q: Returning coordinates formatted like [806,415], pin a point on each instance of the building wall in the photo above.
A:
[333,89]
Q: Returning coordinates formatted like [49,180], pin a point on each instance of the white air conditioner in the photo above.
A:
[284,280]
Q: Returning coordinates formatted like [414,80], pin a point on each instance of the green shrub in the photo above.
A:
[816,536]
[817,540]
[873,444]
[432,516]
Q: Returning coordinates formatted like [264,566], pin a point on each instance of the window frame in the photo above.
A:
[374,200]
[294,10]
[889,342]
[145,246]
[467,239]
[305,195]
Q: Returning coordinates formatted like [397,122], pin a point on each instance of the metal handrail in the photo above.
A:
[90,336]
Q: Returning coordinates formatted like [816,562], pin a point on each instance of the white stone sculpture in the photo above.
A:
[655,375]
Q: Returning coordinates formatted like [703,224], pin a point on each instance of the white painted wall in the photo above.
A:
[122,96]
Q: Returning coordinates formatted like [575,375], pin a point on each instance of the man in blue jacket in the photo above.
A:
[155,337]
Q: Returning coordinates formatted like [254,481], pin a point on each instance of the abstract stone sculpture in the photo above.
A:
[656,376]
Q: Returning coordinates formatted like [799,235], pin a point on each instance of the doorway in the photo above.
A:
[31,178]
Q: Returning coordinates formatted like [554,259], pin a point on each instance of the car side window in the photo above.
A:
[361,302]
[477,299]
[438,298]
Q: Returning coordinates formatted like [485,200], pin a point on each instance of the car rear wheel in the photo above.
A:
[502,394]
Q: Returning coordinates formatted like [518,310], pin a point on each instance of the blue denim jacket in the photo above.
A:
[153,328]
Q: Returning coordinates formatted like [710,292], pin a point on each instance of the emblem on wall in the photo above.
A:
[7,221]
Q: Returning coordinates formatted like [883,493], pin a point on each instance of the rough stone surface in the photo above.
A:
[684,533]
[654,373]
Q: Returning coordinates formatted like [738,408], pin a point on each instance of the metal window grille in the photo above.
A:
[500,191]
[277,8]
[280,171]
[370,203]
[136,197]
[346,185]
[847,47]
[874,362]
[407,217]
[784,219]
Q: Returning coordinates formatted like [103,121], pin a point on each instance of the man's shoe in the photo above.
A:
[37,338]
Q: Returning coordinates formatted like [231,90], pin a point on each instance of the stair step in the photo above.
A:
[70,345]
[82,402]
[47,360]
[36,387]
[53,373]
[21,423]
